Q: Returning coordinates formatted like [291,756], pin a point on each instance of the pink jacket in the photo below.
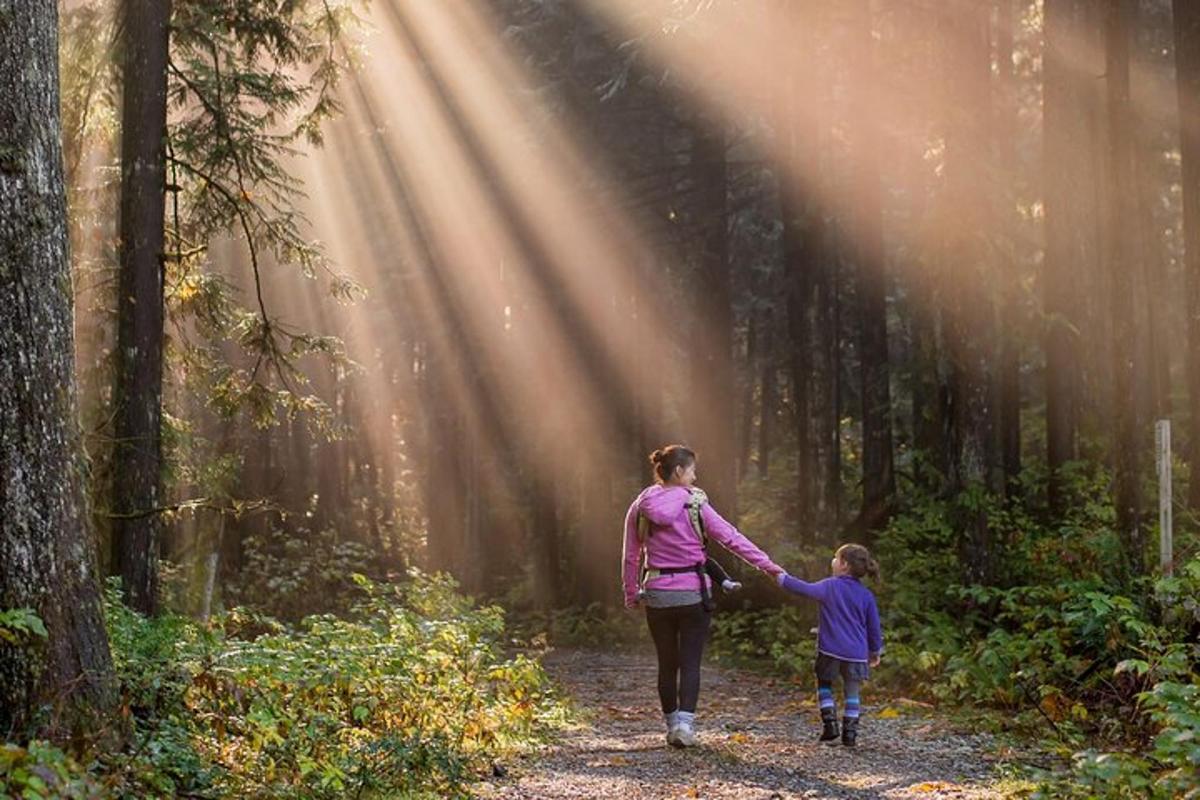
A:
[674,543]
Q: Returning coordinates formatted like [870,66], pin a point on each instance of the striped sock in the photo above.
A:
[825,697]
[852,689]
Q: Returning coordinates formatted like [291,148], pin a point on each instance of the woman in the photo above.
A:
[669,545]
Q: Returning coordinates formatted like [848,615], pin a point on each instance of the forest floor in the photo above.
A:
[758,740]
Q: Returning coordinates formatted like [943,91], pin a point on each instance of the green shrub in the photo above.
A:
[40,771]
[409,695]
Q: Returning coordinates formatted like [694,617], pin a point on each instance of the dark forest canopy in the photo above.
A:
[401,288]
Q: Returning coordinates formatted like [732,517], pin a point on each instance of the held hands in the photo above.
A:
[875,660]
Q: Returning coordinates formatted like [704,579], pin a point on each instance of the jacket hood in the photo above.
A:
[663,504]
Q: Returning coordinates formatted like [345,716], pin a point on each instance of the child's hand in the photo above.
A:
[779,578]
[875,660]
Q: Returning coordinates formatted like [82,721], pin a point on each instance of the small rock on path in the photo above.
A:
[758,740]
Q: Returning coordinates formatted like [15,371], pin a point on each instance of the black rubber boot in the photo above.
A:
[849,731]
[829,729]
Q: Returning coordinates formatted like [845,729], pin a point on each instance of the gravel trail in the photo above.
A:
[758,741]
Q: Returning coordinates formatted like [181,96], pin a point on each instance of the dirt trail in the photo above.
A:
[758,741]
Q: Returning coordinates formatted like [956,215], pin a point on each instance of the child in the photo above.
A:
[849,639]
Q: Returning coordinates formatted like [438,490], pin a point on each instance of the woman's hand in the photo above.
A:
[775,571]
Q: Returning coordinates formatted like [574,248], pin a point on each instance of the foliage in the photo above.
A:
[1100,667]
[590,626]
[249,84]
[782,637]
[40,771]
[409,695]
[18,624]
[290,574]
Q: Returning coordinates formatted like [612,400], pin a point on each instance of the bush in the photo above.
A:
[410,695]
[40,770]
[1102,667]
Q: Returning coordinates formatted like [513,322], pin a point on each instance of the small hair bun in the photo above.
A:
[656,457]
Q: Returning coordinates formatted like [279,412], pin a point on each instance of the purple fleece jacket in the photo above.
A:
[848,623]
[674,543]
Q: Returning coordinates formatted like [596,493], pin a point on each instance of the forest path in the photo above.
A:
[758,740]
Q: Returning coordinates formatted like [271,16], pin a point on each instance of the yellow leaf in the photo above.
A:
[693,792]
[931,786]
[888,713]
[739,738]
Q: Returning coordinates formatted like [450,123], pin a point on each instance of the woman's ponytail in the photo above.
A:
[668,458]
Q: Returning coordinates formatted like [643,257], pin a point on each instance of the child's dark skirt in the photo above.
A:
[829,668]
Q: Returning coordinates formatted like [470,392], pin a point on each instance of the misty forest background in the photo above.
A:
[380,306]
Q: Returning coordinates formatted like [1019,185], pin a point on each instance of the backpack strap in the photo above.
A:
[696,501]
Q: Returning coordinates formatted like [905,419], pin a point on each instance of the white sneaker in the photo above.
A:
[673,737]
[685,736]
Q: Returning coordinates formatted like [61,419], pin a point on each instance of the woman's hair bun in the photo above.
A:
[656,457]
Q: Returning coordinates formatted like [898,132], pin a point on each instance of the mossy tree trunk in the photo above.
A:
[46,547]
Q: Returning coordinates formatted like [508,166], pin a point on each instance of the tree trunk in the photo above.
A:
[829,418]
[766,418]
[747,427]
[46,547]
[879,481]
[798,145]
[711,402]
[137,457]
[1008,381]
[1067,144]
[1187,65]
[969,313]
[1122,255]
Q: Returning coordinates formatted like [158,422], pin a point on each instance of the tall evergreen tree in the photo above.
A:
[137,455]
[1122,264]
[969,312]
[1187,67]
[46,547]
[871,289]
[1066,161]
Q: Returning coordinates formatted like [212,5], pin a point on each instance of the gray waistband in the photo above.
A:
[670,598]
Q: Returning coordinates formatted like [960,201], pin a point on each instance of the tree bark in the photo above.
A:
[137,457]
[711,402]
[1067,161]
[1008,381]
[766,418]
[969,313]
[879,481]
[1122,256]
[746,444]
[1187,66]
[46,547]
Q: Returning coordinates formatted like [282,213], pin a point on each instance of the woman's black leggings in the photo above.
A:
[679,635]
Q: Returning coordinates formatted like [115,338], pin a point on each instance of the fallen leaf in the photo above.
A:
[931,786]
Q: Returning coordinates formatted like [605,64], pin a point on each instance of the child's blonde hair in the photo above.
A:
[859,559]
